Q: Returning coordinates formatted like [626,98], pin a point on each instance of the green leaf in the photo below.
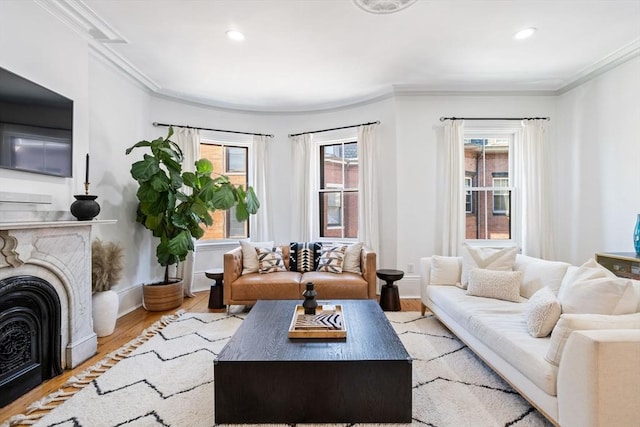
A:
[189,179]
[181,244]
[139,144]
[223,198]
[253,204]
[159,182]
[204,166]
[146,193]
[144,169]
[241,211]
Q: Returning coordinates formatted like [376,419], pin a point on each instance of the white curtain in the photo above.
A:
[189,142]
[530,182]
[368,228]
[259,224]
[301,225]
[453,194]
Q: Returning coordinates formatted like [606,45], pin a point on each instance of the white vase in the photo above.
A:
[105,312]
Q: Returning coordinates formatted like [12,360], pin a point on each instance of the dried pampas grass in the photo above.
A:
[106,265]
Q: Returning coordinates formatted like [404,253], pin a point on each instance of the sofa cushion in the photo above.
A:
[589,270]
[304,256]
[352,258]
[330,285]
[332,259]
[270,260]
[542,312]
[499,325]
[445,270]
[602,295]
[504,285]
[249,255]
[538,273]
[255,286]
[486,258]
[576,322]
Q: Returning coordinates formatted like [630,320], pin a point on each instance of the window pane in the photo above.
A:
[232,161]
[331,214]
[350,214]
[331,166]
[351,165]
[236,159]
[486,222]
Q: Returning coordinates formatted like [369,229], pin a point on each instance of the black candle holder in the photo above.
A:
[310,304]
[85,208]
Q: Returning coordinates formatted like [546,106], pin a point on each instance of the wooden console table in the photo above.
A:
[622,264]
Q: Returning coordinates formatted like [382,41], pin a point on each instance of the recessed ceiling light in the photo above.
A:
[524,34]
[235,35]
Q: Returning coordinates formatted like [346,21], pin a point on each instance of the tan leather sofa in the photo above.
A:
[246,289]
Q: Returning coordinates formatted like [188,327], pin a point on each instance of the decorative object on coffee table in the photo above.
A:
[327,323]
[215,294]
[389,295]
[310,302]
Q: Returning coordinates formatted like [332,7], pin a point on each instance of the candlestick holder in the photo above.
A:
[85,208]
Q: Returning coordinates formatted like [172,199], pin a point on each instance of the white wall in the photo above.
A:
[597,165]
[40,48]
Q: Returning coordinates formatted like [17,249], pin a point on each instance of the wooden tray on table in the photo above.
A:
[328,322]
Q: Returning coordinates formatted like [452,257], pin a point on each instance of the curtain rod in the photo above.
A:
[442,119]
[215,130]
[327,130]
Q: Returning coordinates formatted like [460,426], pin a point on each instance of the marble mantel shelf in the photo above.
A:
[17,225]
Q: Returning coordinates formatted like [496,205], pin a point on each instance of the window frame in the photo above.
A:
[513,132]
[229,140]
[319,145]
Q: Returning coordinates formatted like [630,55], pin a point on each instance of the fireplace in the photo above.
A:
[29,335]
[45,301]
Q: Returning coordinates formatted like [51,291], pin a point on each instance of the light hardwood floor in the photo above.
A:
[128,327]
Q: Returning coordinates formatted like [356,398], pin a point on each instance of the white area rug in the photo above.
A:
[168,380]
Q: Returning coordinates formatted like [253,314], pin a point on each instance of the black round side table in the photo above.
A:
[215,294]
[389,295]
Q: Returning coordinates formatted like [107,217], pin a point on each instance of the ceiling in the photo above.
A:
[303,55]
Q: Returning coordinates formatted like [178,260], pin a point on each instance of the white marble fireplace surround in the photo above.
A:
[58,251]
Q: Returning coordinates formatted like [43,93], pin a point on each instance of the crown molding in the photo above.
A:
[609,62]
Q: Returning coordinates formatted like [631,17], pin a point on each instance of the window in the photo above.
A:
[487,185]
[338,190]
[231,160]
[468,196]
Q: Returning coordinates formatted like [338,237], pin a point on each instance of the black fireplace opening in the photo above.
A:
[29,335]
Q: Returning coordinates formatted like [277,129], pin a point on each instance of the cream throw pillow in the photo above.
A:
[352,258]
[582,322]
[445,270]
[504,285]
[249,255]
[542,312]
[603,295]
[486,258]
[589,270]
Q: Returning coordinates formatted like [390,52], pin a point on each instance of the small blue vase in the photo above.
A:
[636,236]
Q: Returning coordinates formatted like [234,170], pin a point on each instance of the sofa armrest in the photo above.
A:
[425,277]
[599,378]
[232,269]
[368,265]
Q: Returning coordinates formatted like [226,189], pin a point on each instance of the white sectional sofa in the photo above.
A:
[597,379]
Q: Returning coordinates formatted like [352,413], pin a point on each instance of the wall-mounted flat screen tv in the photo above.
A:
[36,127]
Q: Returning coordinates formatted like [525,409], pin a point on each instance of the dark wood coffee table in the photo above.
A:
[262,376]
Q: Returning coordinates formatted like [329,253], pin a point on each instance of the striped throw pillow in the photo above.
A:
[332,259]
[270,260]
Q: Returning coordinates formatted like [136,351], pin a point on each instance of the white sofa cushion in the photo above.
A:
[445,270]
[576,322]
[539,273]
[504,285]
[486,258]
[352,258]
[542,312]
[589,270]
[250,256]
[603,295]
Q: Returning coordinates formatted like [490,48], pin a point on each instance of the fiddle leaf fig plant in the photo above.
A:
[174,204]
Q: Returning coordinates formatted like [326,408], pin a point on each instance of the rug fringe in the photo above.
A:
[38,409]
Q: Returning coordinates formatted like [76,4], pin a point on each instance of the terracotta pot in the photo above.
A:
[105,312]
[156,297]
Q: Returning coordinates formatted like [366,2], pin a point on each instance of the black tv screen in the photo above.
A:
[36,127]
